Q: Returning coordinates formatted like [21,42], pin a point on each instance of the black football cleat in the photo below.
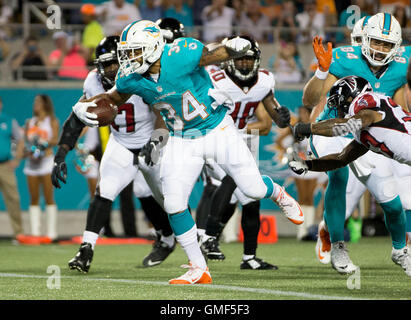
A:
[212,250]
[257,264]
[158,254]
[83,258]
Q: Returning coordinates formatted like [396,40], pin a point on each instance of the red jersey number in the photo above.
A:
[128,109]
[243,117]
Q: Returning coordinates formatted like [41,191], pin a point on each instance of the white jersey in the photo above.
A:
[391,136]
[246,100]
[134,123]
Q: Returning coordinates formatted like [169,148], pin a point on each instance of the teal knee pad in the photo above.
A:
[181,222]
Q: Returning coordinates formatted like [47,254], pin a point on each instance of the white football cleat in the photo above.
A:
[289,207]
[194,275]
[402,258]
[323,246]
[340,260]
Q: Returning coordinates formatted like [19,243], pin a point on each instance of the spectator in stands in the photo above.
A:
[198,7]
[150,10]
[253,22]
[68,58]
[347,21]
[10,132]
[92,34]
[272,9]
[116,14]
[217,21]
[41,135]
[287,66]
[31,56]
[6,15]
[287,19]
[182,12]
[310,21]
[400,14]
[4,49]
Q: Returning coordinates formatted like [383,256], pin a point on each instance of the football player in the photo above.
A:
[171,28]
[380,62]
[252,91]
[172,79]
[379,125]
[130,130]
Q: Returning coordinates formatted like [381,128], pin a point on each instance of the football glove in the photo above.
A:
[59,171]
[301,131]
[323,56]
[283,117]
[80,110]
[298,166]
[150,152]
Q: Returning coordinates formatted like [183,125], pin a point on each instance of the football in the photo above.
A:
[106,111]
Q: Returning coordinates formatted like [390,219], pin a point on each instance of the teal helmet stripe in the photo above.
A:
[124,34]
[387,24]
[364,23]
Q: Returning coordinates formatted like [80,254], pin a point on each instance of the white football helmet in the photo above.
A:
[356,33]
[383,27]
[141,44]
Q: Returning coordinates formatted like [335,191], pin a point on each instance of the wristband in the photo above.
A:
[322,75]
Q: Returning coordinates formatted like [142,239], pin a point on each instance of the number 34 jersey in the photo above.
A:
[391,136]
[246,100]
[134,122]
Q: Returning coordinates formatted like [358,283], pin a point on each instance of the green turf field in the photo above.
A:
[116,273]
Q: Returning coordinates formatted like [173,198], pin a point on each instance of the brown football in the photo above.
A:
[106,111]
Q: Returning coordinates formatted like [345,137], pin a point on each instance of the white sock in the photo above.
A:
[51,216]
[168,240]
[188,241]
[248,256]
[35,220]
[90,237]
[201,232]
[309,216]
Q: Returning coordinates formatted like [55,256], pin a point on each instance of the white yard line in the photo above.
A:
[211,287]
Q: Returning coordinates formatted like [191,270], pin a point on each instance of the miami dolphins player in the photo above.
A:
[381,63]
[172,79]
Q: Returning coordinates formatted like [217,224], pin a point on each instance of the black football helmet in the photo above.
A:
[245,74]
[106,54]
[172,29]
[344,89]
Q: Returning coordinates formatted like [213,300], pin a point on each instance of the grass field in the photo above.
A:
[116,273]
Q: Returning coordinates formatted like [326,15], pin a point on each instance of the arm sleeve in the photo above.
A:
[72,128]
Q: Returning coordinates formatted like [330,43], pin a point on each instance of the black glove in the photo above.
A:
[60,168]
[301,131]
[151,150]
[283,117]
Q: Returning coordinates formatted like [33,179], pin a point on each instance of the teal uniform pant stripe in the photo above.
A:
[335,203]
[313,148]
[181,222]
[408,217]
[270,186]
[395,222]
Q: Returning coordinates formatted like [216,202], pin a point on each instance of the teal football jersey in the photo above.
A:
[349,61]
[181,91]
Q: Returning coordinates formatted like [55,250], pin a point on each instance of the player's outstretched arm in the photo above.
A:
[72,129]
[351,152]
[322,81]
[230,49]
[400,98]
[337,127]
[279,114]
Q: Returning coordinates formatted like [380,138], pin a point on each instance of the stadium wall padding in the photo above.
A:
[18,103]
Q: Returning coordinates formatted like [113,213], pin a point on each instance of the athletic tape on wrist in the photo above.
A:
[322,75]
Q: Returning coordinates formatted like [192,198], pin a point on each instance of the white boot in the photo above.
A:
[309,217]
[51,216]
[35,220]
